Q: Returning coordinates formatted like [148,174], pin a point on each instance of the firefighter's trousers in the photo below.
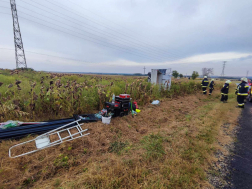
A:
[204,90]
[210,90]
[224,97]
[240,100]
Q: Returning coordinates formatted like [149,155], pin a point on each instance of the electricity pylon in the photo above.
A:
[223,69]
[19,48]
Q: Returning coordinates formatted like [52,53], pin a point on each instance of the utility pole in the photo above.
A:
[19,48]
[223,69]
[144,70]
[247,73]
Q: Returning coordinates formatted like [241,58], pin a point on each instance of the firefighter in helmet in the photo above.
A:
[211,86]
[204,85]
[242,92]
[224,91]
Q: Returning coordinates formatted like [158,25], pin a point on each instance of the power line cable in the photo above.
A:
[86,24]
[50,55]
[114,46]
[214,61]
[112,22]
[89,20]
[143,50]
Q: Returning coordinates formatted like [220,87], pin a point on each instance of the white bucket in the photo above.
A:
[106,120]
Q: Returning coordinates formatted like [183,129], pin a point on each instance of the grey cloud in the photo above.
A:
[152,31]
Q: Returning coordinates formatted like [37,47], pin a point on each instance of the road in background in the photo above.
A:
[241,165]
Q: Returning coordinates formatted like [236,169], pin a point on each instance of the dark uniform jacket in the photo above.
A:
[205,82]
[225,89]
[211,84]
[242,89]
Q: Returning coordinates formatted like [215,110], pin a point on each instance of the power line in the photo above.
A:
[51,55]
[89,61]
[86,24]
[85,38]
[115,24]
[72,27]
[101,24]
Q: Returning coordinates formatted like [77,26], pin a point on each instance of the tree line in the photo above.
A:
[176,74]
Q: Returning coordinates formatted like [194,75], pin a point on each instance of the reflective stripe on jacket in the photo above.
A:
[204,83]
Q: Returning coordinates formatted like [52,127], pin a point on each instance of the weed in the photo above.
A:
[57,183]
[61,161]
[188,118]
[69,148]
[153,144]
[85,170]
[117,147]
[85,151]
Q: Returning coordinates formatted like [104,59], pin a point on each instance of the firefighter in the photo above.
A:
[211,87]
[204,85]
[224,91]
[242,92]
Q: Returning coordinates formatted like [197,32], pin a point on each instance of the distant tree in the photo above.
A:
[181,75]
[195,75]
[175,74]
[207,72]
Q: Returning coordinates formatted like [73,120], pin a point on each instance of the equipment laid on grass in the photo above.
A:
[48,139]
[106,120]
[120,107]
[21,131]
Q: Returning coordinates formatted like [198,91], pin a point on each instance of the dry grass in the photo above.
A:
[166,146]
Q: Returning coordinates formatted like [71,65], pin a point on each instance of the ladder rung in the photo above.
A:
[59,136]
[70,133]
[79,130]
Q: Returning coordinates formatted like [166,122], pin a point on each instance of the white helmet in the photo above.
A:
[205,76]
[212,79]
[242,79]
[228,81]
[245,79]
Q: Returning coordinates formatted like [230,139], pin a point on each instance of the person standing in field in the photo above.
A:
[224,91]
[211,87]
[204,85]
[242,92]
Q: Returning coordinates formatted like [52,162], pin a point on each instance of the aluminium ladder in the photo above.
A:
[43,141]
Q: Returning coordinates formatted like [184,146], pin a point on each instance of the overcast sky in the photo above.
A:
[123,36]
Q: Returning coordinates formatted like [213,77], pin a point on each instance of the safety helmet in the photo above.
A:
[212,79]
[205,76]
[242,79]
[228,81]
[245,79]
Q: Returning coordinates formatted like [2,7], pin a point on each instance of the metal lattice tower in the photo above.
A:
[144,70]
[223,69]
[19,48]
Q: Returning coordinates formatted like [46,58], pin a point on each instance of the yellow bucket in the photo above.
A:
[138,111]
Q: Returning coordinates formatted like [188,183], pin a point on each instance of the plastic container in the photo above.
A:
[113,98]
[106,120]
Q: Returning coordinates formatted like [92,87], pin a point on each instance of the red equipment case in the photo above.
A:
[124,96]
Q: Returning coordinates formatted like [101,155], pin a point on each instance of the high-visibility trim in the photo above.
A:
[224,94]
[246,86]
[204,86]
[243,94]
[206,81]
[241,104]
